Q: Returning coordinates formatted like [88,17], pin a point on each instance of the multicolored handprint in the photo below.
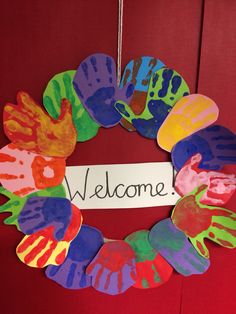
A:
[199,221]
[166,87]
[190,114]
[174,246]
[96,86]
[60,87]
[220,186]
[71,274]
[151,268]
[42,248]
[139,72]
[15,203]
[43,212]
[113,269]
[23,172]
[216,144]
[29,127]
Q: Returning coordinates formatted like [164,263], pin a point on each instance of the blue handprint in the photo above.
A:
[216,144]
[96,86]
[41,212]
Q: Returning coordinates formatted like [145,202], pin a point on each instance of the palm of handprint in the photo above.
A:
[95,83]
[166,87]
[42,212]
[29,127]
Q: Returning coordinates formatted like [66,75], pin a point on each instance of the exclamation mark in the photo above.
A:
[173,180]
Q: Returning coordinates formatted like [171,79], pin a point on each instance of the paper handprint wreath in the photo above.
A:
[156,102]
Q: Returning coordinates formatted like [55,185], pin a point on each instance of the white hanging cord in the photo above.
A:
[119,44]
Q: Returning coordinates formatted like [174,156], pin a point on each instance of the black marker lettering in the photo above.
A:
[77,192]
[162,186]
[98,189]
[116,191]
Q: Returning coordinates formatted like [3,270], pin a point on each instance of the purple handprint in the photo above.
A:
[96,86]
[42,212]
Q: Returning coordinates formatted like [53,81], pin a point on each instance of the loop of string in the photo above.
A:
[119,43]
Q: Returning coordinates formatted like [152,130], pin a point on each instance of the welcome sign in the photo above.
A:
[121,185]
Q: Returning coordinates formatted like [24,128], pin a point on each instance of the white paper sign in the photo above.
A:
[121,185]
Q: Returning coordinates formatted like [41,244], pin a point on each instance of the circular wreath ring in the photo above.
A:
[156,102]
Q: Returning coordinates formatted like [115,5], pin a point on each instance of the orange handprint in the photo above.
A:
[29,127]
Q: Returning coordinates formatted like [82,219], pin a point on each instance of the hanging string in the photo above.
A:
[119,43]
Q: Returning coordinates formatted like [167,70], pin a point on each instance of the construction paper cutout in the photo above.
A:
[139,72]
[174,246]
[166,87]
[29,127]
[190,114]
[220,186]
[42,212]
[41,248]
[23,172]
[199,221]
[113,269]
[16,203]
[59,87]
[71,274]
[151,268]
[95,83]
[216,144]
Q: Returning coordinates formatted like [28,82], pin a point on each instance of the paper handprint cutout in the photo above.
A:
[166,87]
[151,268]
[190,114]
[199,221]
[23,172]
[71,274]
[220,186]
[42,248]
[113,269]
[15,203]
[43,212]
[139,72]
[174,246]
[59,87]
[29,127]
[95,83]
[216,144]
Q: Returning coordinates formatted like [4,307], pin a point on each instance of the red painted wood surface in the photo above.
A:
[41,38]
